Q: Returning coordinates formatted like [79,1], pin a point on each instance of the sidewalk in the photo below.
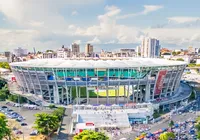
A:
[66,125]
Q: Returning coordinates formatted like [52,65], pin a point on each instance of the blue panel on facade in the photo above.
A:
[68,79]
[50,77]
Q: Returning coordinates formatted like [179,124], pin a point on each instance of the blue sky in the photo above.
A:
[107,24]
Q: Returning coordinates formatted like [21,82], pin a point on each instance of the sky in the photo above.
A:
[107,24]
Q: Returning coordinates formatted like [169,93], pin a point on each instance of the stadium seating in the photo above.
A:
[91,73]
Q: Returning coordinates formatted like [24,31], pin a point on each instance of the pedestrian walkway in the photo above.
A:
[66,125]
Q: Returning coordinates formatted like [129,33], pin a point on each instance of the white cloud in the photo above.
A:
[77,41]
[151,8]
[112,11]
[183,19]
[178,36]
[95,41]
[111,42]
[147,9]
[74,13]
[71,26]
[36,23]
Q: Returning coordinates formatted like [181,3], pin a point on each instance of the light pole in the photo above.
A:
[19,103]
[23,131]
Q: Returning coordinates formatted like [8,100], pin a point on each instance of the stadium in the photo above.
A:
[99,81]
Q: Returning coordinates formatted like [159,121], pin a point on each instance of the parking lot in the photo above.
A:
[26,113]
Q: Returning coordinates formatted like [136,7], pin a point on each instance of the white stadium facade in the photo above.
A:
[128,87]
[63,81]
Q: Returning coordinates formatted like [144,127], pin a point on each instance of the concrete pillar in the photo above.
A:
[147,92]
[107,99]
[56,95]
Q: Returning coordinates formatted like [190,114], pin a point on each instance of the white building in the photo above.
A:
[19,52]
[138,51]
[150,48]
[63,52]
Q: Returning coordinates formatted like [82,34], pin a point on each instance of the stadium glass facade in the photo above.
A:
[63,83]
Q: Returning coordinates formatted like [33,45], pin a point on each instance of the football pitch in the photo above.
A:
[111,92]
[102,92]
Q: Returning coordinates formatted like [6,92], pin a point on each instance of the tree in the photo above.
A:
[46,123]
[2,83]
[90,135]
[173,53]
[171,123]
[3,95]
[52,106]
[167,136]
[49,51]
[192,96]
[4,130]
[59,112]
[179,59]
[4,65]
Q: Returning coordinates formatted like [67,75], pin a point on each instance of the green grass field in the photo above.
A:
[102,93]
[111,92]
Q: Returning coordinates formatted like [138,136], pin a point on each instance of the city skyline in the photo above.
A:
[105,24]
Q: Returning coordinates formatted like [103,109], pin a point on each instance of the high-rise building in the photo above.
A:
[150,48]
[19,52]
[89,49]
[75,49]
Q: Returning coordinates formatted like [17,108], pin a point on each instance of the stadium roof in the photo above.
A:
[125,63]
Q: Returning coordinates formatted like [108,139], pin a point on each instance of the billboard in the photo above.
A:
[159,82]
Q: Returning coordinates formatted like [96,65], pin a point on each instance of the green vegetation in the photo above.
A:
[157,114]
[90,135]
[192,96]
[83,92]
[4,65]
[197,126]
[171,123]
[5,132]
[59,112]
[179,59]
[14,98]
[52,106]
[47,123]
[167,136]
[5,94]
[49,51]
[192,65]
[175,53]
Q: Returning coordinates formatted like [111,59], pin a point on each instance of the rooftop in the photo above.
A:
[99,63]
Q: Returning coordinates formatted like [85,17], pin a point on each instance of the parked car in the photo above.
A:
[84,101]
[24,124]
[34,132]
[4,107]
[18,132]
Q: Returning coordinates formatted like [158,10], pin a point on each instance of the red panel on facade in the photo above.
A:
[159,83]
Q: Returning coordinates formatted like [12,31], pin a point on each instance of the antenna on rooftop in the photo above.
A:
[34,50]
